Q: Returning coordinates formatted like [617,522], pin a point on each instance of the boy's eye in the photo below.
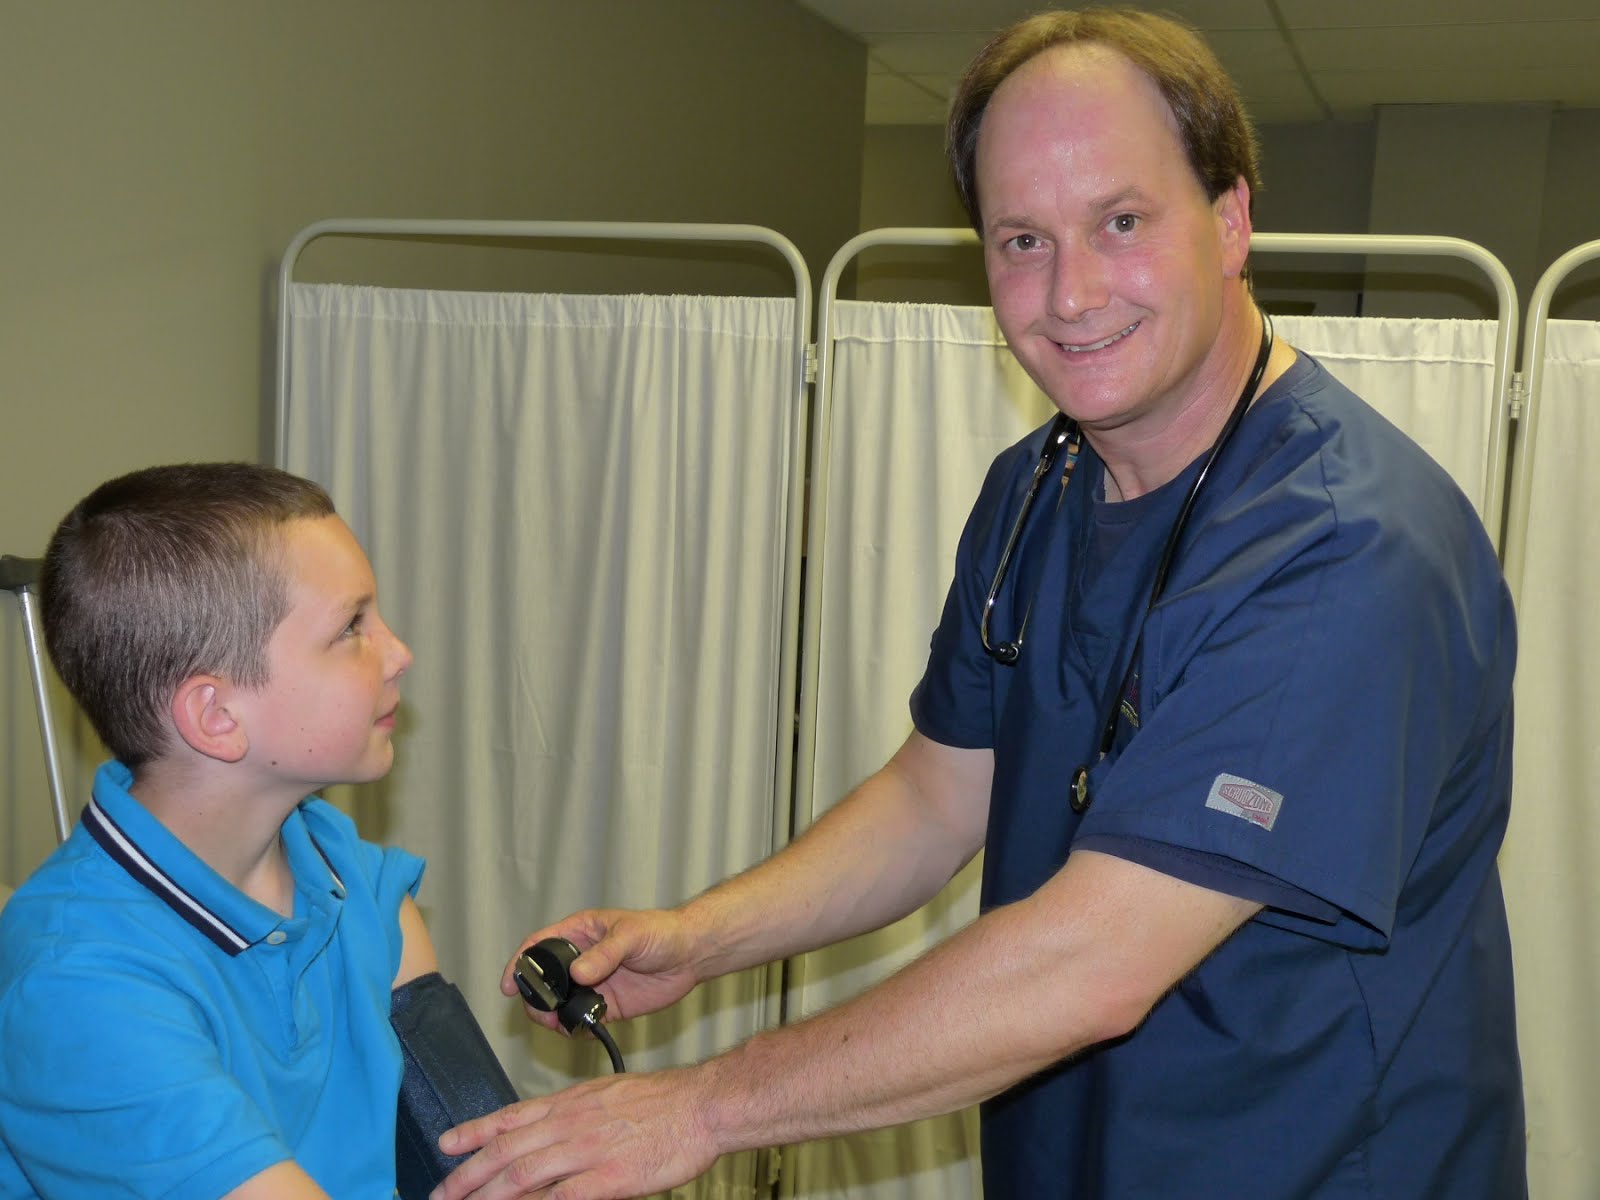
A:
[354,627]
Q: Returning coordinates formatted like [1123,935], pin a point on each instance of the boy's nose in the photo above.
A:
[400,657]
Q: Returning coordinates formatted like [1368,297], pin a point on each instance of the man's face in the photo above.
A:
[326,713]
[1107,264]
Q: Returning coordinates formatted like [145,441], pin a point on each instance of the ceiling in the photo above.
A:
[1294,60]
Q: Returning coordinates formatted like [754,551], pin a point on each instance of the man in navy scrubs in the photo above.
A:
[1242,929]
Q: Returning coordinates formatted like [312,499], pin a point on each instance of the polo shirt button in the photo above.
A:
[277,937]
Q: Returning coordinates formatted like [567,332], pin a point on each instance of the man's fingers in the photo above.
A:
[600,961]
[516,1155]
[475,1134]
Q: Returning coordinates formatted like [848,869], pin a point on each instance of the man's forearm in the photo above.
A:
[1022,988]
[882,852]
[1078,962]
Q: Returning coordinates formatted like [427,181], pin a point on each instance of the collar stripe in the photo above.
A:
[123,850]
[326,861]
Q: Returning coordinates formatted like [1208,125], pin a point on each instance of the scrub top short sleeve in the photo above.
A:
[1336,639]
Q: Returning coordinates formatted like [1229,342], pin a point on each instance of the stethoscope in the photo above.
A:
[1065,437]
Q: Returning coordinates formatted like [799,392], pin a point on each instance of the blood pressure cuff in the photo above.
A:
[451,1075]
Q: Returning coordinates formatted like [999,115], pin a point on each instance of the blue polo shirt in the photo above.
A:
[165,1035]
[1318,717]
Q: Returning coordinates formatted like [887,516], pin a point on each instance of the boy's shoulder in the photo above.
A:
[75,880]
[118,1009]
[317,830]
[78,906]
[123,889]
[123,876]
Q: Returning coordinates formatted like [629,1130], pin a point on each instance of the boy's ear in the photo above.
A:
[201,715]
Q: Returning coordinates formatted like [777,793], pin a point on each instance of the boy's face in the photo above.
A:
[327,711]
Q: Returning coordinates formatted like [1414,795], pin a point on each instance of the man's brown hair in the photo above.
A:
[1216,132]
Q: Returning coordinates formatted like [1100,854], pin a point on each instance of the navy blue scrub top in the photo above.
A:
[1319,720]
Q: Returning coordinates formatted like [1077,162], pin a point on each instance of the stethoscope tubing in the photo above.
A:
[1066,435]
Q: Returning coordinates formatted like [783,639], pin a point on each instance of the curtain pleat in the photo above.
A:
[1432,378]
[1551,863]
[924,397]
[575,508]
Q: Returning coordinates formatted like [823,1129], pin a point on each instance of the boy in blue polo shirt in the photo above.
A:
[195,988]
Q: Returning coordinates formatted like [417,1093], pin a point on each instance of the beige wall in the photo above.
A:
[1470,171]
[159,156]
[1571,213]
[1316,178]
[904,181]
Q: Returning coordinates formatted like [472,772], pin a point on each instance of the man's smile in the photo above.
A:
[1101,344]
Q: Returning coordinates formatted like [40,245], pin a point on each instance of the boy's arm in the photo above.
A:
[417,955]
[285,1181]
[288,1180]
[100,1041]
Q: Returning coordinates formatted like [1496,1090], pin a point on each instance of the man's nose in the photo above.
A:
[1077,282]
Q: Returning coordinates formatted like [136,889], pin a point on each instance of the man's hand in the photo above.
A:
[638,961]
[608,1139]
[1086,956]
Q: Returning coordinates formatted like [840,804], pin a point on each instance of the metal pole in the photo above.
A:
[21,575]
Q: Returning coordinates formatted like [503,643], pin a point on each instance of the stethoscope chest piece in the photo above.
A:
[1078,794]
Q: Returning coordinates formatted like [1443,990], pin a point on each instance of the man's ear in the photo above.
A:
[1234,227]
[204,720]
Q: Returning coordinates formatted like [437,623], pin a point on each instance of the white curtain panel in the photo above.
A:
[575,508]
[1432,378]
[923,398]
[1551,864]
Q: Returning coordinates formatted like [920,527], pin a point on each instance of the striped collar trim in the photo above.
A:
[126,853]
[338,884]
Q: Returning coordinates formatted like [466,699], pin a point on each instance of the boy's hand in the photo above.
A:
[638,961]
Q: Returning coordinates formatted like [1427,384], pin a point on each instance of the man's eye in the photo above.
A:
[1124,223]
[1024,241]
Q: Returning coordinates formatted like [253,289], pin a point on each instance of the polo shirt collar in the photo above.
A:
[148,851]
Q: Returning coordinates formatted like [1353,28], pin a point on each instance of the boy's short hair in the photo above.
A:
[163,574]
